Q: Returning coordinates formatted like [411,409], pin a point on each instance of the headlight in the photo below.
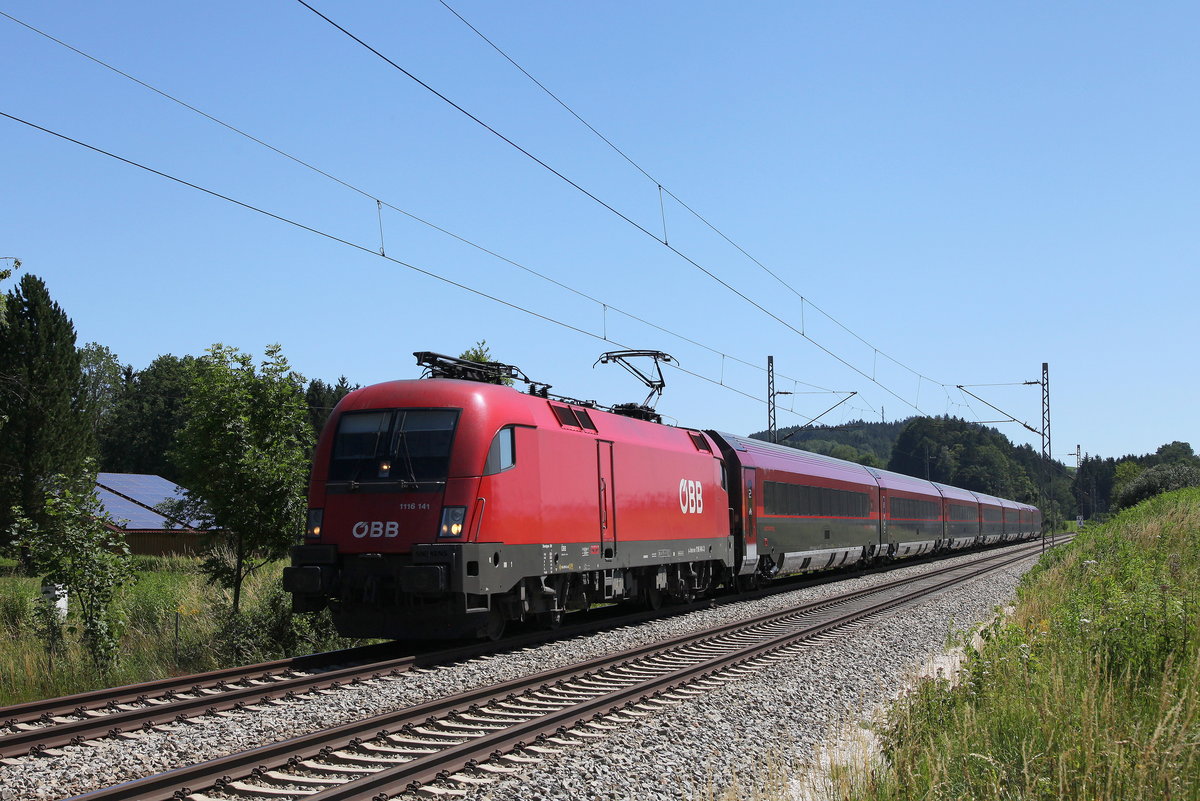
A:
[452,521]
[313,530]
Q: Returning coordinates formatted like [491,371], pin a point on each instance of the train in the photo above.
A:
[450,505]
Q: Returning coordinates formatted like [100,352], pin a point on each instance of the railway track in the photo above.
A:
[448,743]
[41,727]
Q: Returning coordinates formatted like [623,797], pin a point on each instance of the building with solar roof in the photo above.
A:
[130,500]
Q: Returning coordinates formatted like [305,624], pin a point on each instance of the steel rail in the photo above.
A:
[181,782]
[68,704]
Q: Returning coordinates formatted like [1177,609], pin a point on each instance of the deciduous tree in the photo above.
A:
[243,453]
[73,548]
[103,381]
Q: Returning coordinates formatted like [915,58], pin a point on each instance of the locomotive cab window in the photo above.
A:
[502,454]
[393,445]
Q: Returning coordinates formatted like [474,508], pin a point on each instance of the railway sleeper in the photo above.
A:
[268,791]
[292,778]
[324,768]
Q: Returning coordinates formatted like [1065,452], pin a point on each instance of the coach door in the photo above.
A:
[749,554]
[883,518]
[608,518]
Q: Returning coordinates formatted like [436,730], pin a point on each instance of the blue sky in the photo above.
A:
[972,189]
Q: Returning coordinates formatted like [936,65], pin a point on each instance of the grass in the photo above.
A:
[174,623]
[1090,690]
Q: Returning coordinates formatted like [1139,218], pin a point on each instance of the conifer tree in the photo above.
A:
[44,423]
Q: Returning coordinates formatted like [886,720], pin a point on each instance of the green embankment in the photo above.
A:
[1091,690]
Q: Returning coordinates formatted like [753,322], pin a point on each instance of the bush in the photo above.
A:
[267,629]
[1155,481]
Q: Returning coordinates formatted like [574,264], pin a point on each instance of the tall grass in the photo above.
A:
[174,623]
[1091,690]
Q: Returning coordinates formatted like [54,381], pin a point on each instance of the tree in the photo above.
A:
[74,548]
[46,428]
[5,274]
[1177,452]
[150,410]
[103,381]
[1093,483]
[243,454]
[321,399]
[1124,473]
[480,352]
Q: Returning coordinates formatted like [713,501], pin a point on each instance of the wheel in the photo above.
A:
[496,624]
[654,598]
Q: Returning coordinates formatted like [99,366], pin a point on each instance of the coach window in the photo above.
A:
[502,454]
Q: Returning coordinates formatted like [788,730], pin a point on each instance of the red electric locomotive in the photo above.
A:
[447,506]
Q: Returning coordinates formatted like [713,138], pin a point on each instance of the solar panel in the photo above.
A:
[127,514]
[148,490]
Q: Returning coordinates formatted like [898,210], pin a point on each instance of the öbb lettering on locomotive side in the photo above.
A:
[691,497]
[445,507]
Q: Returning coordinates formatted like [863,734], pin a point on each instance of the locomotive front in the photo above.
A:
[393,499]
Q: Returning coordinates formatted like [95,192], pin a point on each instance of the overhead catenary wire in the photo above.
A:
[380,204]
[664,190]
[367,249]
[615,211]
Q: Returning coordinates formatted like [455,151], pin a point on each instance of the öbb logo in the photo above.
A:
[691,498]
[375,528]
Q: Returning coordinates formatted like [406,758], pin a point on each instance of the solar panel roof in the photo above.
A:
[146,491]
[127,514]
